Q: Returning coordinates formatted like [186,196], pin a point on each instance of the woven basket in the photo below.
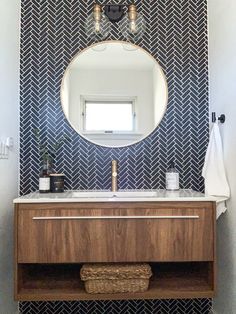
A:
[115,278]
[116,285]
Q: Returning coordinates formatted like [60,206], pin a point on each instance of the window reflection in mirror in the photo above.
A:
[108,116]
[114,96]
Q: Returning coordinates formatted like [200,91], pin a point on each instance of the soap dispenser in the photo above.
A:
[172,178]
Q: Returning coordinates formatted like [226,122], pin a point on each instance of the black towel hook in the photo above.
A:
[221,118]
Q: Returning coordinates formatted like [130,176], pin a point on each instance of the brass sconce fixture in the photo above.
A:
[132,14]
[130,22]
[97,16]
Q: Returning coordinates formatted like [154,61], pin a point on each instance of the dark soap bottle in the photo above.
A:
[44,178]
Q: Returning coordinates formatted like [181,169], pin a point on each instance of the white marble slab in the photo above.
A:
[97,196]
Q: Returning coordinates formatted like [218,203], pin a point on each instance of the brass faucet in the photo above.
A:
[114,166]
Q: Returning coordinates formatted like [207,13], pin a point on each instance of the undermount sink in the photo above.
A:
[119,194]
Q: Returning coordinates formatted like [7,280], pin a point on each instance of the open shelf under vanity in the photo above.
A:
[53,240]
[180,280]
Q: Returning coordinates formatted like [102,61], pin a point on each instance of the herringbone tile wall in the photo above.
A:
[195,306]
[52,31]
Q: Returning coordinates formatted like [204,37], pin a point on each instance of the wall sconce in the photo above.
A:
[131,24]
[97,25]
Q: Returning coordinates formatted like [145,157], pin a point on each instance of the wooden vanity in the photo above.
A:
[54,239]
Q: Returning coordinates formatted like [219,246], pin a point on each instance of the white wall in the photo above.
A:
[222,58]
[9,125]
[114,83]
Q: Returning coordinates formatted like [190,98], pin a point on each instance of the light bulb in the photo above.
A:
[132,13]
[97,27]
[133,27]
[97,15]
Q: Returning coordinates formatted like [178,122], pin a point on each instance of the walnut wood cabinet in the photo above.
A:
[53,240]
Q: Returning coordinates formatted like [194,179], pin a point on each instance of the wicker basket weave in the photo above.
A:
[115,278]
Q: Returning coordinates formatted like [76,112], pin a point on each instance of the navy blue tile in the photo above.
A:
[52,32]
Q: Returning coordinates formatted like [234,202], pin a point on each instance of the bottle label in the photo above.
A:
[44,184]
[172,181]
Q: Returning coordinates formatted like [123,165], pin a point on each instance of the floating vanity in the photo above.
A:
[56,233]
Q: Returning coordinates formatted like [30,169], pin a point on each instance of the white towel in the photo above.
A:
[213,171]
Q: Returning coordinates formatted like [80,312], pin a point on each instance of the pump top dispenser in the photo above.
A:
[172,178]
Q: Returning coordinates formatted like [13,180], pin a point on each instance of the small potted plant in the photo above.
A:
[47,157]
[45,154]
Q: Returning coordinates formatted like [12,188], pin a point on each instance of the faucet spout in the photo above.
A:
[114,174]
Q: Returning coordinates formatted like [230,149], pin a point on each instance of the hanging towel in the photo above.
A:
[213,171]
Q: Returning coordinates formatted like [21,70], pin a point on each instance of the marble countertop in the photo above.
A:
[158,196]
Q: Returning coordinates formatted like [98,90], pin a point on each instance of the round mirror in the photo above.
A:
[114,93]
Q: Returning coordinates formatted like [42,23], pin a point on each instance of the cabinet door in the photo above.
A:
[115,232]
